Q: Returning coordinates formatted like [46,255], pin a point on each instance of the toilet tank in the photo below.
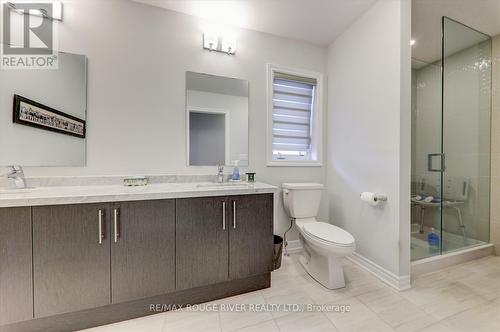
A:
[302,200]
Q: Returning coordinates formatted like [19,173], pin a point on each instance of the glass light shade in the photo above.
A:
[229,45]
[210,41]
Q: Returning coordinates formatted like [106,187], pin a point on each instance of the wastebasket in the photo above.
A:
[278,250]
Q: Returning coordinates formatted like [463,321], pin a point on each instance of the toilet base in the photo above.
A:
[328,271]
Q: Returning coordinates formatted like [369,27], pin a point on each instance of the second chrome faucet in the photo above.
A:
[220,173]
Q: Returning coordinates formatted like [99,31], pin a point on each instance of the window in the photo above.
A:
[294,117]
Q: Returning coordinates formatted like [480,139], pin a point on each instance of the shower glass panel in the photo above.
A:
[451,109]
[426,146]
[466,121]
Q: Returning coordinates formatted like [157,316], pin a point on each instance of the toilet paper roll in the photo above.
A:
[370,198]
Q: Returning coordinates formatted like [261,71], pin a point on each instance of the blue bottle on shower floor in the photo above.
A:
[433,240]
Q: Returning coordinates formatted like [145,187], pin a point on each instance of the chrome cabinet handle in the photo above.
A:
[101,222]
[116,213]
[234,214]
[224,216]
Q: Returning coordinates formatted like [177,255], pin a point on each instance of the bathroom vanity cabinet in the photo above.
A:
[222,238]
[91,255]
[75,266]
[70,263]
[251,236]
[142,249]
[16,288]
[202,241]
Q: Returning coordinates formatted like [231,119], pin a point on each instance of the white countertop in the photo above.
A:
[117,193]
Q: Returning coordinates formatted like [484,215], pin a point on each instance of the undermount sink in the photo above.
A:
[235,185]
[11,191]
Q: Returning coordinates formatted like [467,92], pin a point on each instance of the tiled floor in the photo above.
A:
[462,298]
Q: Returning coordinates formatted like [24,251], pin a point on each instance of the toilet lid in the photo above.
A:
[329,233]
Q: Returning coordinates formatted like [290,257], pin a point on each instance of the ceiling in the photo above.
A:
[482,15]
[318,22]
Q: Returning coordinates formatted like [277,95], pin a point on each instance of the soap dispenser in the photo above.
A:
[236,172]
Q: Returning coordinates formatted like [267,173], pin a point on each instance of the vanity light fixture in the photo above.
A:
[229,45]
[210,42]
[57,9]
[223,44]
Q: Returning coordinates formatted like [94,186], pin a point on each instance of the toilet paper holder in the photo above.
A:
[378,197]
[381,198]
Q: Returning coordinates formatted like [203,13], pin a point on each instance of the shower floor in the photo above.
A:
[450,242]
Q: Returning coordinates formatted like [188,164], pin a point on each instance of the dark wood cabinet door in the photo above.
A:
[71,261]
[250,235]
[201,241]
[16,283]
[142,249]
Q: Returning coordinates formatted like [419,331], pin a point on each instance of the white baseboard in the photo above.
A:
[293,247]
[399,283]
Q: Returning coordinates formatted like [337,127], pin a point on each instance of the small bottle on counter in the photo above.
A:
[250,177]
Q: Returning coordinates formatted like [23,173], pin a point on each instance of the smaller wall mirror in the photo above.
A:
[217,120]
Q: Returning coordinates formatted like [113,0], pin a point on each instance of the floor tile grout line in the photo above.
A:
[219,320]
[377,315]
[252,325]
[164,322]
[330,321]
[438,321]
[276,324]
[442,320]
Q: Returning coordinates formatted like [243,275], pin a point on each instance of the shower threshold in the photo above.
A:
[439,262]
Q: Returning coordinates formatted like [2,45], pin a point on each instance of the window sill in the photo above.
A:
[296,163]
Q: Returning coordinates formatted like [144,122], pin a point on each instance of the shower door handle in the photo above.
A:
[430,158]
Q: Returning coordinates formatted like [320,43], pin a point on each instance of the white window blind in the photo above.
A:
[293,106]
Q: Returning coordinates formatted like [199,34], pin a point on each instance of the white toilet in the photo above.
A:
[325,245]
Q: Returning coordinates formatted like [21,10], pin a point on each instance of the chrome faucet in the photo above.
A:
[220,173]
[17,174]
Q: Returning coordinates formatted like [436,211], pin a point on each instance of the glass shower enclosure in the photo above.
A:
[451,112]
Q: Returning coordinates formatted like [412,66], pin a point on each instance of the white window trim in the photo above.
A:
[317,122]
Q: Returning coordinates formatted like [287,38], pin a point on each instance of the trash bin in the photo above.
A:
[278,250]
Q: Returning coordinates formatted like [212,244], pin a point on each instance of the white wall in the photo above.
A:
[369,132]
[138,57]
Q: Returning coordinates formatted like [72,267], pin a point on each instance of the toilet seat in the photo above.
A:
[329,233]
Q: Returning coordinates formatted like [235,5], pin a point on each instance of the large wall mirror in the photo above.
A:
[217,120]
[43,114]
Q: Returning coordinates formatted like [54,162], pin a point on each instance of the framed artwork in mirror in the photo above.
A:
[31,113]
